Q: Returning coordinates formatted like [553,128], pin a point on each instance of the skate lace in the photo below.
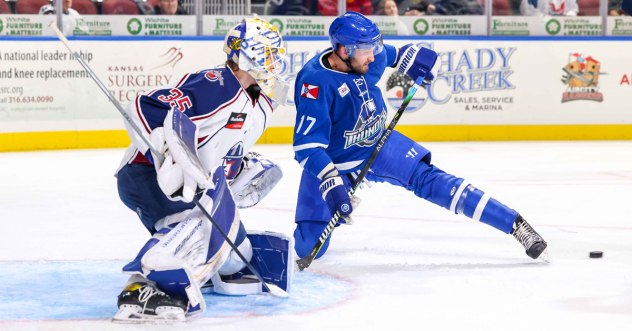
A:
[146,292]
[525,234]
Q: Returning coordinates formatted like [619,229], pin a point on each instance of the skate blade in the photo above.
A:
[161,321]
[544,256]
[134,317]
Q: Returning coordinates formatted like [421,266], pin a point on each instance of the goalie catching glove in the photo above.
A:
[256,178]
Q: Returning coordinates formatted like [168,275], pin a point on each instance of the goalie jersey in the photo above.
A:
[229,119]
[340,116]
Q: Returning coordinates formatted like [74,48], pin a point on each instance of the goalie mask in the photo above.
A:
[257,47]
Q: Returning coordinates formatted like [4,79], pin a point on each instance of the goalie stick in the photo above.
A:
[272,289]
[306,261]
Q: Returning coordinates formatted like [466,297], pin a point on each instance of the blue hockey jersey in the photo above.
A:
[340,116]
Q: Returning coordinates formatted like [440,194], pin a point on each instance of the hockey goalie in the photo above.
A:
[228,108]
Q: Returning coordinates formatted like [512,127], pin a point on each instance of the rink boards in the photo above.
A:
[532,88]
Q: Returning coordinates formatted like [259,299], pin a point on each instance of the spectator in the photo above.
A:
[169,7]
[386,8]
[458,7]
[288,7]
[614,8]
[549,7]
[417,7]
[389,8]
[330,7]
[69,18]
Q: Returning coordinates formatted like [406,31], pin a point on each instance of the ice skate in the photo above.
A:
[532,242]
[143,303]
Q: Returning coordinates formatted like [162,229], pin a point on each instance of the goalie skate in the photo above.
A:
[144,304]
[532,242]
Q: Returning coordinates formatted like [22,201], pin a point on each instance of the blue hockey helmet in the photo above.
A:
[355,31]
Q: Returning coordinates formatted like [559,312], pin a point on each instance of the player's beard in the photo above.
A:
[359,68]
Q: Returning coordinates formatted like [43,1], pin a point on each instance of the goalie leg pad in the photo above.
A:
[234,263]
[170,262]
[182,259]
[272,257]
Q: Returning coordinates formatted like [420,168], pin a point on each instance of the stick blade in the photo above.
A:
[277,291]
[304,263]
[544,256]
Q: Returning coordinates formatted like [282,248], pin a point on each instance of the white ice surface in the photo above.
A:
[411,265]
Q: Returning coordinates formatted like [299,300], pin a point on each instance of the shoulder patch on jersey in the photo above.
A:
[214,75]
[236,121]
[343,90]
[310,91]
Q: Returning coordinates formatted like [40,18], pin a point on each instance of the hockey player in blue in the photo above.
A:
[341,114]
[225,109]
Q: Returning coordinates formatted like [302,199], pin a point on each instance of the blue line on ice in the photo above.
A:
[88,290]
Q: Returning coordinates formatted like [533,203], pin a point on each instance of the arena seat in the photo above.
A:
[120,7]
[499,7]
[27,7]
[588,7]
[4,8]
[84,7]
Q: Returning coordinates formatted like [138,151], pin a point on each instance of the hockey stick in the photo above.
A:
[273,289]
[309,258]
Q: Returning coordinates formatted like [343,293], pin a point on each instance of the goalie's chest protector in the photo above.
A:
[228,119]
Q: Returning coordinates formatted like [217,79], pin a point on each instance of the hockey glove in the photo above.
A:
[418,62]
[174,182]
[256,178]
[335,194]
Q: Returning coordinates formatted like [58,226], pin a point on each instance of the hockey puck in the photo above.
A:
[596,255]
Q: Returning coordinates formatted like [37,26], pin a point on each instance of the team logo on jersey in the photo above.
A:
[232,161]
[368,128]
[310,91]
[236,121]
[343,90]
[214,75]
